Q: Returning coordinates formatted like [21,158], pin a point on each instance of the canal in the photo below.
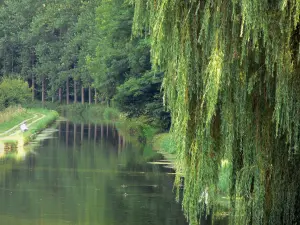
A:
[87,174]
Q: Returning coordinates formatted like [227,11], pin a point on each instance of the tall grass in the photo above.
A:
[12,116]
[11,112]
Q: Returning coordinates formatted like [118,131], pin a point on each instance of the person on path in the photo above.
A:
[23,127]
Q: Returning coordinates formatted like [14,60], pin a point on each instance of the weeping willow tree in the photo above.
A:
[232,83]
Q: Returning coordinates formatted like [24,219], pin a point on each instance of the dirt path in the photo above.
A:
[16,129]
[17,126]
[15,134]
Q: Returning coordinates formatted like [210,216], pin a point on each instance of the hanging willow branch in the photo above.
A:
[233,88]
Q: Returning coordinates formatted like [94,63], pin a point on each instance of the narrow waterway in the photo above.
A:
[87,175]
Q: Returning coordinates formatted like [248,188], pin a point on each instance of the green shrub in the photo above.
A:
[13,91]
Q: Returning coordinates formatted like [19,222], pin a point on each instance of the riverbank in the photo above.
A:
[11,137]
[162,143]
[136,130]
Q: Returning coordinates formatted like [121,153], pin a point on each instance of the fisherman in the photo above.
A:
[23,127]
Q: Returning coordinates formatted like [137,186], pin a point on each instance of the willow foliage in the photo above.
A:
[233,88]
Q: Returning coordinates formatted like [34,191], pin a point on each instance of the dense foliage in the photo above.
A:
[141,96]
[72,50]
[232,84]
[13,91]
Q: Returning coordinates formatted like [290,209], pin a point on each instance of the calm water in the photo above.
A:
[87,175]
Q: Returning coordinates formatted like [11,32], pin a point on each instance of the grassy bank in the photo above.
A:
[162,142]
[49,116]
[135,130]
[36,119]
[12,116]
[89,113]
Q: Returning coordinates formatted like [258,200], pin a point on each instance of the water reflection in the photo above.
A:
[89,175]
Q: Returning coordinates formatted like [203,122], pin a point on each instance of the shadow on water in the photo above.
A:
[88,174]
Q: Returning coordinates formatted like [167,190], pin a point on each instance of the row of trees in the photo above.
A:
[73,49]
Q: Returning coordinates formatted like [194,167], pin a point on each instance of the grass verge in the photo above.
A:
[49,117]
[12,116]
[37,119]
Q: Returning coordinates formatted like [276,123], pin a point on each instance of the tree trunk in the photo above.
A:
[124,141]
[106,130]
[95,96]
[67,90]
[59,130]
[12,63]
[75,92]
[95,133]
[119,143]
[82,132]
[67,133]
[89,132]
[43,91]
[59,95]
[33,88]
[53,95]
[90,95]
[74,137]
[82,95]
